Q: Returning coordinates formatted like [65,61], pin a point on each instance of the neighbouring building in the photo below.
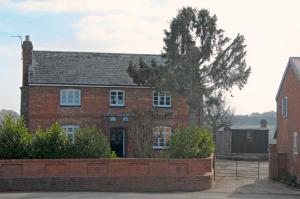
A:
[284,156]
[243,140]
[78,89]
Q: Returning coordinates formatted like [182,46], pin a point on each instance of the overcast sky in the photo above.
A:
[271,29]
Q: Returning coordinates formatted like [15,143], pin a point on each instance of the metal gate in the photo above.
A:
[241,168]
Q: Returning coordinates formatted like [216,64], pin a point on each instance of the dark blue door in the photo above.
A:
[117,140]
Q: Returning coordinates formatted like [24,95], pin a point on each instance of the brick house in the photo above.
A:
[79,89]
[285,154]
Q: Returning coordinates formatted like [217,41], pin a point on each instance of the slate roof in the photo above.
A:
[293,62]
[84,68]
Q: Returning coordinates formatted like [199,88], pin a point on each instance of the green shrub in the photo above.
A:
[289,180]
[113,154]
[91,143]
[51,143]
[191,142]
[14,139]
[17,143]
[206,144]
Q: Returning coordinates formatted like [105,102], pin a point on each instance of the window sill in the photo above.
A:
[167,107]
[160,147]
[117,106]
[70,106]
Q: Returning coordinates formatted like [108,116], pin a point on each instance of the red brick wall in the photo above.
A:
[45,109]
[106,174]
[286,126]
[273,161]
[277,162]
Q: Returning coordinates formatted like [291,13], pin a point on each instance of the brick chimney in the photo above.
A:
[27,58]
[263,124]
[27,61]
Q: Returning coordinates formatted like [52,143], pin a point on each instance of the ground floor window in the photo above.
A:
[70,131]
[295,143]
[161,135]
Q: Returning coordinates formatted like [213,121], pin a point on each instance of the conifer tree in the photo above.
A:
[199,60]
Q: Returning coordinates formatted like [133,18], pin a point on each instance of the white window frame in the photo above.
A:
[117,98]
[295,143]
[67,92]
[162,96]
[163,146]
[284,106]
[70,134]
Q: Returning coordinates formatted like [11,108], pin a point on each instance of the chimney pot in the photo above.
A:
[263,123]
[27,38]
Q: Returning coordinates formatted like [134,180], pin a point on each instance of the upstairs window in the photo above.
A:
[295,143]
[161,137]
[161,99]
[70,131]
[117,98]
[70,97]
[284,105]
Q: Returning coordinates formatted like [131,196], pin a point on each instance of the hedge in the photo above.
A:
[17,143]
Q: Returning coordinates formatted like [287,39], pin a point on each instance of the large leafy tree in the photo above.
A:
[199,60]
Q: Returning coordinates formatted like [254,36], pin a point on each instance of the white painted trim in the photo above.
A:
[93,86]
[66,127]
[67,90]
[295,143]
[159,95]
[117,97]
[164,138]
[284,115]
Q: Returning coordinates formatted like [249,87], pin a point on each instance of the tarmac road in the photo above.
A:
[224,187]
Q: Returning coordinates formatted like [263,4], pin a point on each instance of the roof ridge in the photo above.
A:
[88,52]
[291,62]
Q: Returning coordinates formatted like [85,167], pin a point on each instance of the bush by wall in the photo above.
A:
[51,143]
[17,143]
[191,142]
[206,144]
[289,180]
[90,143]
[14,139]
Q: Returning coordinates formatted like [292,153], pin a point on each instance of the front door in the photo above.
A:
[117,141]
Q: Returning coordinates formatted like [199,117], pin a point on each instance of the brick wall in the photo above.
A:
[273,161]
[106,175]
[277,162]
[45,109]
[286,126]
[44,106]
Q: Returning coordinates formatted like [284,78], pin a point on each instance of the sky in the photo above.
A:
[271,29]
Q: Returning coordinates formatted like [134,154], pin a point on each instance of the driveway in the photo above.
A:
[224,187]
[231,187]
